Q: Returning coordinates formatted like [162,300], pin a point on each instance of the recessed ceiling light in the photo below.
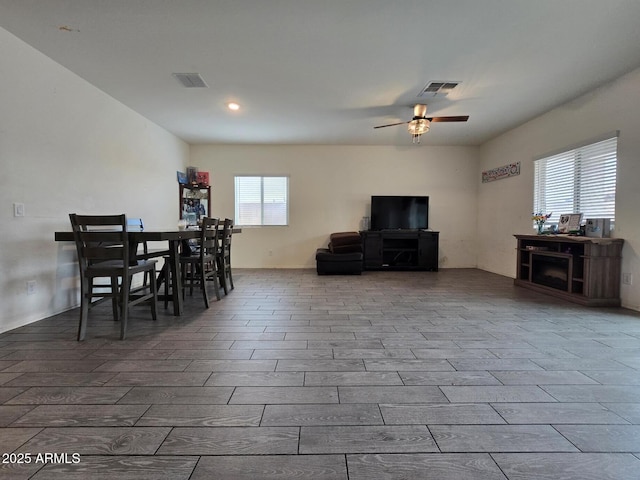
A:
[233,106]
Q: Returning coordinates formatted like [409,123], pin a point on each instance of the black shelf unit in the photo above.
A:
[400,250]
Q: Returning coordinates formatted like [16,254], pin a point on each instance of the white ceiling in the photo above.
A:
[328,71]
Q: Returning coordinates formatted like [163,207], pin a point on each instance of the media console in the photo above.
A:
[579,269]
[400,249]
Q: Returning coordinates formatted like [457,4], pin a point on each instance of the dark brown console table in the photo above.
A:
[400,250]
[579,269]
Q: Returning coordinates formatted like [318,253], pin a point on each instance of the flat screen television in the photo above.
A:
[399,212]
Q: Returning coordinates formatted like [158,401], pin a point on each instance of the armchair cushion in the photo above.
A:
[345,242]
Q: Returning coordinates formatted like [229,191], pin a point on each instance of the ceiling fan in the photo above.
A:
[420,123]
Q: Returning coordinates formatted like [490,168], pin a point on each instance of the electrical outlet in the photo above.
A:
[627,279]
[18,209]
[31,287]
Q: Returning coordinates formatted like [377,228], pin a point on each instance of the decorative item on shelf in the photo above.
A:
[569,222]
[598,227]
[540,219]
[192,175]
[202,179]
[182,178]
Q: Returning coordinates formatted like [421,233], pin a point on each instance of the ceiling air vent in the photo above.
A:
[191,80]
[437,88]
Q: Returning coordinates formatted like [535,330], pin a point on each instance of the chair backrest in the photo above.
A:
[100,238]
[227,232]
[209,236]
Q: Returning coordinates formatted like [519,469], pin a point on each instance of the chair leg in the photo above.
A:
[183,273]
[191,279]
[114,298]
[225,281]
[125,306]
[146,278]
[203,285]
[197,275]
[223,277]
[230,279]
[216,280]
[167,281]
[84,308]
[227,269]
[154,299]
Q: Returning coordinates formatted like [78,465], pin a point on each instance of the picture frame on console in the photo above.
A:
[569,222]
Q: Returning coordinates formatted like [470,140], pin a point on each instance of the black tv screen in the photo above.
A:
[399,212]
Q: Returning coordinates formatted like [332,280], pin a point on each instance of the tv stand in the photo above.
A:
[400,249]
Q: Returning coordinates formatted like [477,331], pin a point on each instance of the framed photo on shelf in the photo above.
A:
[193,210]
[569,222]
[202,178]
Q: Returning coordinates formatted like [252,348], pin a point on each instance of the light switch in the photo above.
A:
[18,209]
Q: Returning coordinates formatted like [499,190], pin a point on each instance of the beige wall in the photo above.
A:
[505,206]
[67,147]
[330,191]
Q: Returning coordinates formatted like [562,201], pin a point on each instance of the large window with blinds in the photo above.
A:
[579,180]
[261,200]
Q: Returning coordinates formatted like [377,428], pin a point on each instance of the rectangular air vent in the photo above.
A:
[191,80]
[437,88]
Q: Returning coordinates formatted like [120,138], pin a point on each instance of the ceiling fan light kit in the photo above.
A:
[417,128]
[421,124]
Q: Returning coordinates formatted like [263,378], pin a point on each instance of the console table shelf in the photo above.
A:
[579,269]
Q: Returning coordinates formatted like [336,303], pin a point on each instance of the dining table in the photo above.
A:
[174,239]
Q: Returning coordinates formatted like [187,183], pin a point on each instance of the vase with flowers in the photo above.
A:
[540,219]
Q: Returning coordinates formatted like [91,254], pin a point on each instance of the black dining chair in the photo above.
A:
[224,256]
[200,265]
[103,250]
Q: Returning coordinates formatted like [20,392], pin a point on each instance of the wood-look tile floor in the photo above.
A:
[443,375]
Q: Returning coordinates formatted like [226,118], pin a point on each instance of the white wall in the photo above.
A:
[330,191]
[65,147]
[504,206]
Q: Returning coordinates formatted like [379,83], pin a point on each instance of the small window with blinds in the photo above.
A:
[261,200]
[579,180]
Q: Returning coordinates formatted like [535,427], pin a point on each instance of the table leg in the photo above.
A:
[176,281]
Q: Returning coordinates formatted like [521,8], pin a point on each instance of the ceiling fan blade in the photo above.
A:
[391,125]
[459,118]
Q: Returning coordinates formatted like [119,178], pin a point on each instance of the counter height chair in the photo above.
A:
[201,266]
[224,256]
[103,250]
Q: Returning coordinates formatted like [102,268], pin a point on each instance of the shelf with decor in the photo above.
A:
[579,269]
[194,202]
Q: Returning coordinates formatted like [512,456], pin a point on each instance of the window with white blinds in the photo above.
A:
[580,180]
[261,200]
